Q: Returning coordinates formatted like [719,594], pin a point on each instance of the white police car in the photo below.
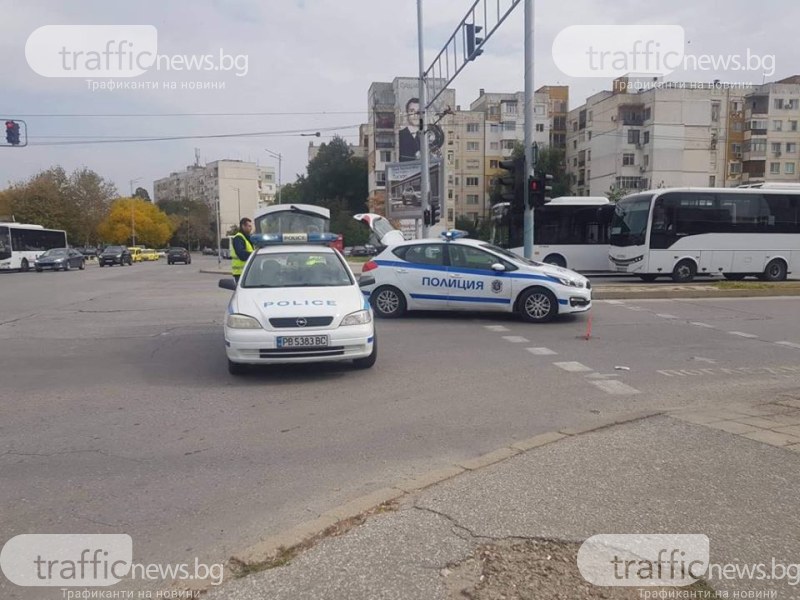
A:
[455,273]
[297,301]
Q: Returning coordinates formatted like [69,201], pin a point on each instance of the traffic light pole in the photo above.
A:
[529,129]
[425,184]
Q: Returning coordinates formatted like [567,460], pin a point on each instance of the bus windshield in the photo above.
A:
[5,243]
[629,224]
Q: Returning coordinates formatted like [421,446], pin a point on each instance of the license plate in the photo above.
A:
[302,341]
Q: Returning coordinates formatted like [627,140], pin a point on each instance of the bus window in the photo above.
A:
[5,243]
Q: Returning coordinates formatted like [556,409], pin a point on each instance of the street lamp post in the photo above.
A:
[279,156]
[133,218]
[188,237]
[219,242]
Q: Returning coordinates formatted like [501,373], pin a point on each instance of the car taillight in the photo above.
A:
[369,266]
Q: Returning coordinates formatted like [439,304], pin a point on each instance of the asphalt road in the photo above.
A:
[117,413]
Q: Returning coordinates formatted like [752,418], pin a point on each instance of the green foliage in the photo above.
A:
[614,194]
[554,162]
[192,222]
[77,203]
[141,193]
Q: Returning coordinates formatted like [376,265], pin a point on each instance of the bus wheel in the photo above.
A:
[684,271]
[733,276]
[649,278]
[556,260]
[775,271]
[24,266]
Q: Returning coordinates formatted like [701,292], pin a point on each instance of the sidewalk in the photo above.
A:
[508,525]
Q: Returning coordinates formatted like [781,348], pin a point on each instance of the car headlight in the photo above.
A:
[569,282]
[59,260]
[236,321]
[361,317]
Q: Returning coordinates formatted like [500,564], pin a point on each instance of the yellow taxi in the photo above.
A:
[136,254]
[149,254]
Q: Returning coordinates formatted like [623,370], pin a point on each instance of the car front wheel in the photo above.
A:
[538,305]
[388,302]
[368,361]
[236,368]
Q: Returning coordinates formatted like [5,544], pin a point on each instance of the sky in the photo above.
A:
[309,67]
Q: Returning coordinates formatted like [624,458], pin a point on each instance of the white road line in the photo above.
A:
[612,386]
[743,334]
[496,328]
[613,301]
[573,367]
[516,339]
[789,344]
[706,325]
[664,316]
[541,351]
[637,308]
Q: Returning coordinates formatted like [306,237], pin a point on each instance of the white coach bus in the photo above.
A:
[21,243]
[683,232]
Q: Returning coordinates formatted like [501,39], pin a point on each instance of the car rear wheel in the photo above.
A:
[24,265]
[368,361]
[66,265]
[82,266]
[538,305]
[388,302]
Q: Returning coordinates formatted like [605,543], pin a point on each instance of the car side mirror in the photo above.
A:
[498,267]
[228,283]
[366,280]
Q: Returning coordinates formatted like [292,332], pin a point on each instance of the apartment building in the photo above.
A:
[771,137]
[666,135]
[464,165]
[239,187]
[357,149]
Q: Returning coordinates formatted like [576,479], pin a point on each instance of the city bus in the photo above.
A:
[569,231]
[21,243]
[684,232]
[295,218]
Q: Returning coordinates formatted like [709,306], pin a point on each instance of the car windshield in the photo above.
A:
[56,252]
[296,269]
[629,225]
[114,249]
[511,255]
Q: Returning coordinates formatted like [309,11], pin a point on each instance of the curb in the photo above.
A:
[279,548]
[632,293]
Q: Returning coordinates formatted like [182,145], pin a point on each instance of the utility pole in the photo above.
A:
[279,156]
[219,243]
[425,184]
[188,237]
[530,111]
[133,218]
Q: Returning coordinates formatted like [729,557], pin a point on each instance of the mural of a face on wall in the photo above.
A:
[409,135]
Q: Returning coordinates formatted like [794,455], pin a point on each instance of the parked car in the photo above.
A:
[115,255]
[176,255]
[209,252]
[149,254]
[136,254]
[60,259]
[359,251]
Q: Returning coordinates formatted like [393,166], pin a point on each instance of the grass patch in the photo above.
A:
[745,285]
[358,259]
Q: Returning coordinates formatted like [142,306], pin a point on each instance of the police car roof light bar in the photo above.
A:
[271,239]
[453,234]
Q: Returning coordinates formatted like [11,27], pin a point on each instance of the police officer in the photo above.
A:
[242,247]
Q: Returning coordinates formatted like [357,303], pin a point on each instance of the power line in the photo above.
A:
[187,114]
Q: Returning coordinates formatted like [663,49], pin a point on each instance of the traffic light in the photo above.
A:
[513,181]
[12,133]
[435,213]
[539,190]
[473,42]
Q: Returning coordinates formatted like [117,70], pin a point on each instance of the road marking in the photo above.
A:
[788,344]
[743,334]
[664,316]
[706,360]
[612,386]
[637,308]
[573,367]
[706,325]
[516,339]
[496,328]
[613,301]
[541,351]
[785,371]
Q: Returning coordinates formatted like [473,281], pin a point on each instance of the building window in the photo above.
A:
[715,109]
[736,106]
[473,127]
[588,155]
[473,146]
[778,103]
[646,160]
[789,169]
[494,164]
[540,109]
[510,108]
[450,194]
[633,136]
[628,160]
[791,147]
[777,125]
[589,133]
[776,148]
[737,126]
[712,181]
[508,144]
[574,126]
[457,182]
[735,168]
[792,104]
[450,215]
[736,149]
[792,125]
[494,128]
[775,168]
[472,181]
[629,183]
[589,118]
[539,127]
[385,155]
[494,145]
[509,125]
[646,137]
[574,144]
[380,178]
[457,164]
[575,162]
[648,113]
[473,164]
[472,198]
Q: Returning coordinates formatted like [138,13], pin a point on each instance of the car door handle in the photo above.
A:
[456,275]
[401,271]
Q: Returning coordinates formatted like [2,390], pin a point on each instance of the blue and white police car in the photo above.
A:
[297,301]
[455,273]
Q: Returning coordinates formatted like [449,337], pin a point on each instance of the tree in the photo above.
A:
[153,227]
[614,194]
[553,161]
[337,179]
[141,193]
[193,222]
[90,197]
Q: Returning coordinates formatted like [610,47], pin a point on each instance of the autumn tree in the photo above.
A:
[128,215]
